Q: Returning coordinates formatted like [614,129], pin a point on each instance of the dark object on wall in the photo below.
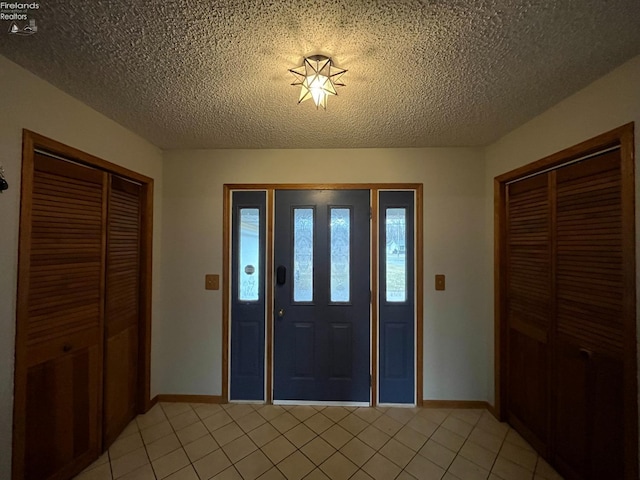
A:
[3,181]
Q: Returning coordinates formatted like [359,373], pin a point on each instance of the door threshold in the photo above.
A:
[319,403]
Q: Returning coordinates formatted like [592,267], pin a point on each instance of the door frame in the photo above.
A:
[270,188]
[622,137]
[32,142]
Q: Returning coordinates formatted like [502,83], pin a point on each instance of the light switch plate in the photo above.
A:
[212,282]
[439,282]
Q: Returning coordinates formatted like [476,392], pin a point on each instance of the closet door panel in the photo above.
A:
[65,288]
[62,321]
[606,449]
[571,408]
[590,291]
[528,381]
[529,306]
[589,253]
[61,424]
[589,426]
[122,308]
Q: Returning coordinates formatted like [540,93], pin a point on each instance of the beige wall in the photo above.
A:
[610,102]
[456,335]
[28,102]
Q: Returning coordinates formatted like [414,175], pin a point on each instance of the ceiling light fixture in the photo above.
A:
[318,78]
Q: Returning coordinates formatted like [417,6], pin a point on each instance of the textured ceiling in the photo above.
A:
[213,74]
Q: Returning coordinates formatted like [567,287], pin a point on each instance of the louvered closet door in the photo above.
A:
[64,319]
[529,306]
[122,307]
[589,380]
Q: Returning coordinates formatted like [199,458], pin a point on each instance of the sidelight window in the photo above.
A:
[249,264]
[396,255]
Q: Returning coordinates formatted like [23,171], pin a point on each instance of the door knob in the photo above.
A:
[66,347]
[586,353]
[281,313]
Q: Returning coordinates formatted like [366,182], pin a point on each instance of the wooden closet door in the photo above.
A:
[122,308]
[529,307]
[59,350]
[589,400]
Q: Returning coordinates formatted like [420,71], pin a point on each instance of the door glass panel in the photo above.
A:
[340,254]
[303,254]
[249,264]
[396,257]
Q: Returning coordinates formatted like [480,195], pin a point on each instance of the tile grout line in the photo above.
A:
[172,430]
[175,432]
[504,439]
[233,464]
[428,438]
[109,460]
[297,449]
[475,425]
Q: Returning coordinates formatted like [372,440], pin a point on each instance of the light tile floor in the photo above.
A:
[180,441]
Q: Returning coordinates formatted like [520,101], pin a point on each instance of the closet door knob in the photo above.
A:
[587,354]
[66,347]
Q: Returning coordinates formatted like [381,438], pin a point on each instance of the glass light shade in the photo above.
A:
[317,78]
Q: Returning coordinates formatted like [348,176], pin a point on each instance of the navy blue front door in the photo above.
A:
[322,295]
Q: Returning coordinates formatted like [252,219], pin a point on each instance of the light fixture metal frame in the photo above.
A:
[317,77]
